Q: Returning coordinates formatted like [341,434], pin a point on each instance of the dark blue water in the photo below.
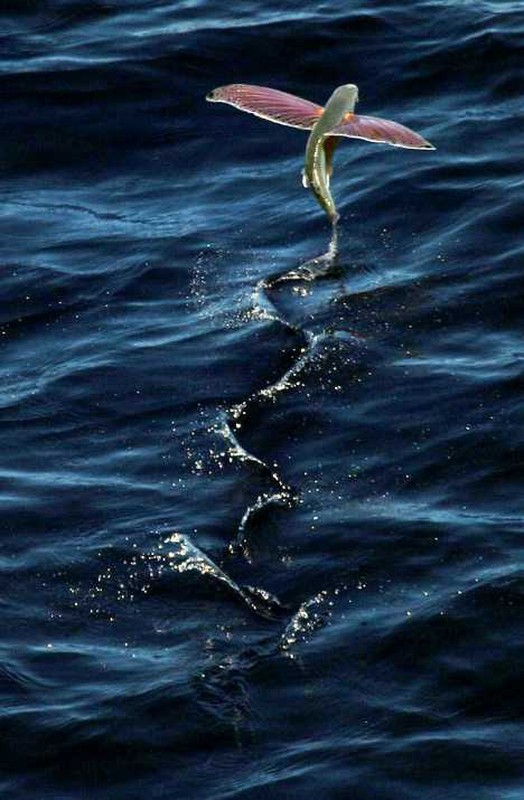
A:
[260,538]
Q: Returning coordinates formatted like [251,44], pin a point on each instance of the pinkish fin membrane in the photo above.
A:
[384,131]
[270,104]
[295,112]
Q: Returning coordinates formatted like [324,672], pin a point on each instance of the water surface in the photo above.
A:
[259,538]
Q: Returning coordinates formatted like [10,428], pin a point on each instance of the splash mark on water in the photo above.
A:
[283,495]
[184,556]
[311,615]
[177,553]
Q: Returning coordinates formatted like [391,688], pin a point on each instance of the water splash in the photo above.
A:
[283,494]
[311,615]
[184,556]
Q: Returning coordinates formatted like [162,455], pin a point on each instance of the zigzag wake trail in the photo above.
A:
[281,494]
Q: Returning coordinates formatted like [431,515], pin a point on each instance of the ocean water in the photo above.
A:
[260,538]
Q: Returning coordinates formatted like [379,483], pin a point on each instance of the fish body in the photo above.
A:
[317,167]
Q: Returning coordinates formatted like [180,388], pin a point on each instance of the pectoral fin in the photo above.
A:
[384,131]
[270,104]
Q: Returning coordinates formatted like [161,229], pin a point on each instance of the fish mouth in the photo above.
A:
[210,95]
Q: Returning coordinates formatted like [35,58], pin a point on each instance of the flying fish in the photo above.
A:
[327,126]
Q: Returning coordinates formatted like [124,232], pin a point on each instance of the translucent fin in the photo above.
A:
[270,104]
[374,129]
[295,112]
